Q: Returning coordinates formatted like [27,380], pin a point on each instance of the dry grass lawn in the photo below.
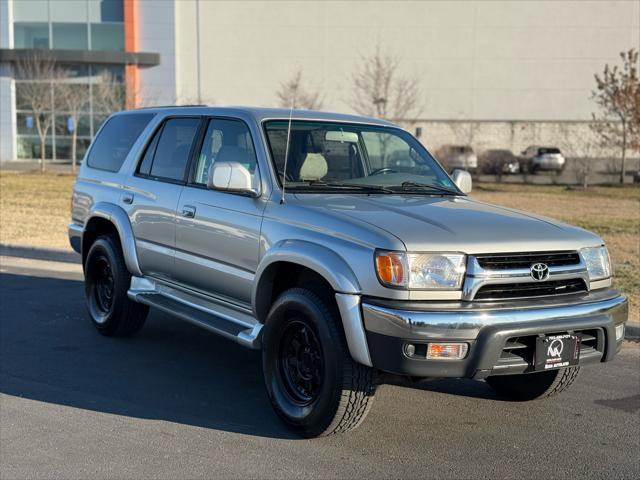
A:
[34,210]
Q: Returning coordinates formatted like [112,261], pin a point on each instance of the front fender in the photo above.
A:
[120,219]
[335,270]
[325,262]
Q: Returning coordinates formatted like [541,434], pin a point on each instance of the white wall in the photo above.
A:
[483,60]
[156,30]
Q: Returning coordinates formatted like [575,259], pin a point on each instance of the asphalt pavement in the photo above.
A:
[178,402]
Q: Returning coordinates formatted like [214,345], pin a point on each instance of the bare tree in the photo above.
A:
[72,98]
[109,94]
[293,94]
[38,71]
[380,90]
[617,94]
[580,150]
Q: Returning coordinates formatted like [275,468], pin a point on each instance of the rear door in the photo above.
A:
[154,192]
[217,232]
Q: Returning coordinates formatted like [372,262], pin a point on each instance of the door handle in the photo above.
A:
[127,198]
[188,211]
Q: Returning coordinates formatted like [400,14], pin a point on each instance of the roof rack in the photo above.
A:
[172,106]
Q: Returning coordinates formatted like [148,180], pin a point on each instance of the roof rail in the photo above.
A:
[172,106]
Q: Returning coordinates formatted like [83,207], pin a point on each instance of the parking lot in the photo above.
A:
[176,401]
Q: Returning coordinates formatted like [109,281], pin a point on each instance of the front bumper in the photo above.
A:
[489,331]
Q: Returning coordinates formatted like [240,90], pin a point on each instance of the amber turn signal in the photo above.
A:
[390,268]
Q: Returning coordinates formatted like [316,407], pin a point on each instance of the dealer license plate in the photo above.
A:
[557,351]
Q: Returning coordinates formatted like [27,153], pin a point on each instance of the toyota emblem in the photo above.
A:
[539,271]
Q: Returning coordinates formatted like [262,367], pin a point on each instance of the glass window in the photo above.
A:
[113,72]
[108,97]
[107,36]
[69,11]
[352,158]
[147,160]
[111,147]
[70,96]
[70,36]
[225,141]
[64,147]
[106,11]
[31,35]
[26,123]
[76,70]
[29,147]
[30,11]
[170,160]
[65,125]
[39,92]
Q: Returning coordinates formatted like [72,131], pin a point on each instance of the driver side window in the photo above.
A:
[225,141]
[388,151]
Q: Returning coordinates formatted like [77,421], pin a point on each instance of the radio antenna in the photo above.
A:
[286,155]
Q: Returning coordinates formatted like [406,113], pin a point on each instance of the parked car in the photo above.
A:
[497,162]
[457,156]
[339,247]
[543,158]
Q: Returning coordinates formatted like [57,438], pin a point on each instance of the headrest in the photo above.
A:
[314,167]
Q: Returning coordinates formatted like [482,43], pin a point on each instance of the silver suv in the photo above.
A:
[339,247]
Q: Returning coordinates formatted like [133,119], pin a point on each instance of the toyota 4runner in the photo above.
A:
[339,247]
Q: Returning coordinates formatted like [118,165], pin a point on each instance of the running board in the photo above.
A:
[220,319]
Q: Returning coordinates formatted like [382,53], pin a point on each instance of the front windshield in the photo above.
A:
[353,158]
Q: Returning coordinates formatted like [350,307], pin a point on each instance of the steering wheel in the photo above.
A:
[383,171]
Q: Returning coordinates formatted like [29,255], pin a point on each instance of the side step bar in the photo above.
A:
[216,320]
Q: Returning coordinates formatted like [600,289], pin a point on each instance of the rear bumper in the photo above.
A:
[487,332]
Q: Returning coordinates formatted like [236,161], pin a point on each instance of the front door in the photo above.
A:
[217,233]
[154,191]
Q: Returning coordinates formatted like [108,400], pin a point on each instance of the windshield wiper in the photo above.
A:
[345,186]
[412,186]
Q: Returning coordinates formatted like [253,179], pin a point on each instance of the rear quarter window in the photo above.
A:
[115,139]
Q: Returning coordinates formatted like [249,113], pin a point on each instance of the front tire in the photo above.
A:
[106,281]
[531,386]
[313,384]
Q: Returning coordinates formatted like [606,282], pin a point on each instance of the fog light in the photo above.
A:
[447,351]
[410,349]
[619,332]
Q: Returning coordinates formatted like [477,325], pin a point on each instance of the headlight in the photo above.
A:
[421,270]
[597,261]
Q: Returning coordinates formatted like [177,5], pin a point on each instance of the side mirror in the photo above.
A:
[231,177]
[462,180]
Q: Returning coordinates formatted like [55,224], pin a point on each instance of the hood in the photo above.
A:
[426,223]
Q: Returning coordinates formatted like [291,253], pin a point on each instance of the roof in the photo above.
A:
[260,113]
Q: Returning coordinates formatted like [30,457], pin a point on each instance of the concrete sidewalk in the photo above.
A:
[37,253]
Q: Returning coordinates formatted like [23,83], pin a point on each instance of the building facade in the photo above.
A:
[91,42]
[519,71]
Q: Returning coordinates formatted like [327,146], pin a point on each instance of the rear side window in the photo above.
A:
[168,153]
[116,138]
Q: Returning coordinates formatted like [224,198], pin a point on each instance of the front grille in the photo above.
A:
[530,289]
[504,261]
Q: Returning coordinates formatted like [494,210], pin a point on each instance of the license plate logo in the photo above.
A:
[557,351]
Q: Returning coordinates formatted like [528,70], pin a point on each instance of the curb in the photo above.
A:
[50,254]
[632,331]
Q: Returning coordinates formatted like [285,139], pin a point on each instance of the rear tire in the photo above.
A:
[313,384]
[531,386]
[106,281]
